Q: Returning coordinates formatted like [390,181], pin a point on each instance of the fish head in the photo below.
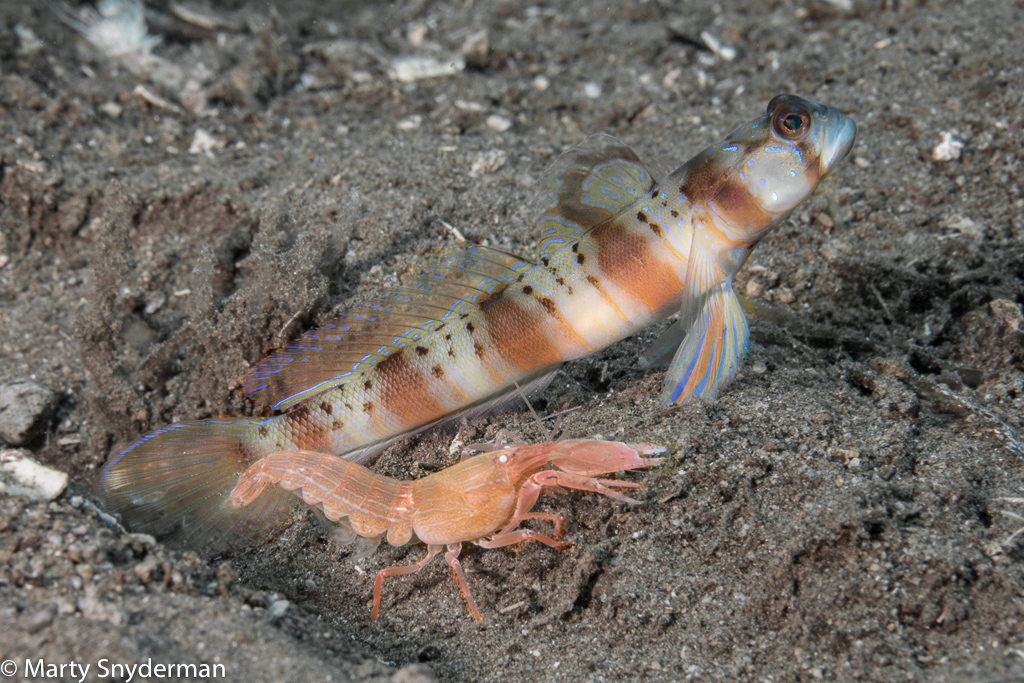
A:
[791,149]
[764,169]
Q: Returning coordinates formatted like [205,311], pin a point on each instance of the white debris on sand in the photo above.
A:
[116,28]
[28,42]
[948,149]
[411,123]
[498,123]
[20,475]
[488,163]
[204,143]
[412,69]
[715,45]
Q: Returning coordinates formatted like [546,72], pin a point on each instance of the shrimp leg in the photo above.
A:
[523,535]
[378,583]
[456,570]
[532,487]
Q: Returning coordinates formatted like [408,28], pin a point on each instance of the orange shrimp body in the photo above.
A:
[482,499]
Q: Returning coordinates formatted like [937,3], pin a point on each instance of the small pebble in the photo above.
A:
[278,608]
[411,123]
[414,673]
[204,143]
[475,48]
[428,653]
[38,621]
[488,163]
[20,475]
[498,123]
[25,407]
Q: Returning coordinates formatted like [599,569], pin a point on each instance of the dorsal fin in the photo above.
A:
[344,348]
[587,185]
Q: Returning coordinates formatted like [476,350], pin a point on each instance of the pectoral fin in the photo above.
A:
[717,333]
[714,347]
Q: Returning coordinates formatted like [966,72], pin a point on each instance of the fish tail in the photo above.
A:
[175,484]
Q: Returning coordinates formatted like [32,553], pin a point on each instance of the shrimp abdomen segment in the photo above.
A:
[342,488]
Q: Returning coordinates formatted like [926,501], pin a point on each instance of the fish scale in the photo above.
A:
[618,251]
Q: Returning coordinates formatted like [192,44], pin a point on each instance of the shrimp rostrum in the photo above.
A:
[482,500]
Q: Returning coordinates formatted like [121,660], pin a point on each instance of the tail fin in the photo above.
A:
[175,485]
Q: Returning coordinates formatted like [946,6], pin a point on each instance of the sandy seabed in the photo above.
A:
[837,514]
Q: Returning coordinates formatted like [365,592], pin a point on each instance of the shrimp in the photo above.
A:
[481,500]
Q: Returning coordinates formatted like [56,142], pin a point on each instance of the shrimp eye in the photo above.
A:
[791,122]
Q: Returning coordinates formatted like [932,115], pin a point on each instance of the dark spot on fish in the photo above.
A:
[548,305]
[448,337]
[675,214]
[337,425]
[545,261]
[368,407]
[422,350]
[654,193]
[656,229]
[579,259]
[368,385]
[593,280]
[575,247]
[451,352]
[348,407]
[479,349]
[463,316]
[471,328]
[262,431]
[641,216]
[519,279]
[527,290]
[437,371]
[299,413]
[560,280]
[440,327]
[327,408]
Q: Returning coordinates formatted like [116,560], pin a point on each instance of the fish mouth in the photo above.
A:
[838,142]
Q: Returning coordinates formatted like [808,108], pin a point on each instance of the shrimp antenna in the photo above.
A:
[540,423]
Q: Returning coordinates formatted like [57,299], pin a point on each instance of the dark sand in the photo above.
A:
[835,515]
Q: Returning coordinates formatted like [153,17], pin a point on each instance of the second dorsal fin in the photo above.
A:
[347,346]
[586,186]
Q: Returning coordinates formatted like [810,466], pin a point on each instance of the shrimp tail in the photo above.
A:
[346,492]
[175,485]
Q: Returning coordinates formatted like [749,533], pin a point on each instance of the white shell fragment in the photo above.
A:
[20,475]
[715,45]
[948,149]
[412,69]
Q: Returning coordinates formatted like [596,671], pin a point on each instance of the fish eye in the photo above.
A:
[791,122]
